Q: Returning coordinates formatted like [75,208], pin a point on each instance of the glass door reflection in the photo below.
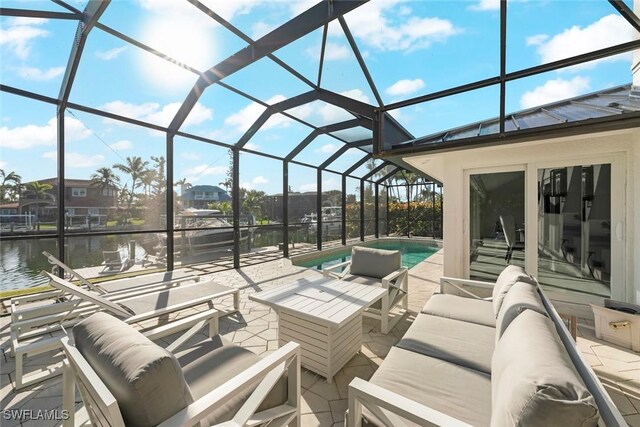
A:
[574,227]
[496,223]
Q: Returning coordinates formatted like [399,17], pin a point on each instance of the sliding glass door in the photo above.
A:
[496,222]
[574,229]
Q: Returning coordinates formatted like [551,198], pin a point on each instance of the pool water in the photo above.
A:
[412,254]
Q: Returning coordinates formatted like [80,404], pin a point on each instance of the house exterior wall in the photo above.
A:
[624,146]
[94,202]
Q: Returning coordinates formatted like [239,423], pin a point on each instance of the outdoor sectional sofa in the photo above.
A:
[505,360]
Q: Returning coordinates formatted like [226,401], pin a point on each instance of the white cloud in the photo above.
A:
[404,11]
[330,113]
[405,87]
[153,113]
[299,6]
[229,9]
[308,187]
[332,51]
[3,164]
[258,180]
[243,119]
[607,31]
[190,155]
[251,146]
[484,5]
[327,185]
[29,136]
[373,24]
[122,145]
[261,28]
[20,34]
[193,174]
[77,160]
[537,40]
[198,114]
[327,149]
[33,73]
[108,55]
[247,186]
[555,90]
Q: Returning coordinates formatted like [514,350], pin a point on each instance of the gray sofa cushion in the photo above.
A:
[374,262]
[145,379]
[461,308]
[213,362]
[463,343]
[522,296]
[455,390]
[509,276]
[533,381]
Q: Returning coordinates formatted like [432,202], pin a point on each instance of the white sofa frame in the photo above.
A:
[397,284]
[102,406]
[375,398]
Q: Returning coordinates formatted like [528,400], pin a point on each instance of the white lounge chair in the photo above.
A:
[159,258]
[377,267]
[32,328]
[114,262]
[128,283]
[138,285]
[210,383]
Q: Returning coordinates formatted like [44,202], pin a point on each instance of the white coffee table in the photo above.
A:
[324,316]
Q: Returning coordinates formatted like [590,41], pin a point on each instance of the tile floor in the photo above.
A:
[324,404]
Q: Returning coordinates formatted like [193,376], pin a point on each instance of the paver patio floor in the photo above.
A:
[324,404]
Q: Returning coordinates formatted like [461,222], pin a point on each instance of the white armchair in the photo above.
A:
[378,267]
[125,379]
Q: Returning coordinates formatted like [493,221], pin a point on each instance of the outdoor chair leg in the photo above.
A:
[68,394]
[384,314]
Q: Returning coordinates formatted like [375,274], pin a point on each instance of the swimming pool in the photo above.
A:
[412,254]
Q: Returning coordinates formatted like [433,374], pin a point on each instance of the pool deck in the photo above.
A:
[324,404]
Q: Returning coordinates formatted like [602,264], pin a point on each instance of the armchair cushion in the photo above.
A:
[374,262]
[211,363]
[509,276]
[135,370]
[533,382]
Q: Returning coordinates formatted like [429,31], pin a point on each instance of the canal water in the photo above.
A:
[21,261]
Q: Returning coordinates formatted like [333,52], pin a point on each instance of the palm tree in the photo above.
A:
[184,185]
[135,167]
[8,178]
[147,180]
[105,179]
[159,177]
[40,192]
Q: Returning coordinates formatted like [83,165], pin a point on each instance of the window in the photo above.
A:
[79,192]
[108,192]
[94,211]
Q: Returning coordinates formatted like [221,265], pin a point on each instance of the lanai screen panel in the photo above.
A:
[26,62]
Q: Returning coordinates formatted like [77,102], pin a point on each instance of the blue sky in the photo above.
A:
[410,48]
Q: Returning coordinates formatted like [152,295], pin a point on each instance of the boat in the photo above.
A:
[331,220]
[199,230]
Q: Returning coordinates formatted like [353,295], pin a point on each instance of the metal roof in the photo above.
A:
[605,103]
